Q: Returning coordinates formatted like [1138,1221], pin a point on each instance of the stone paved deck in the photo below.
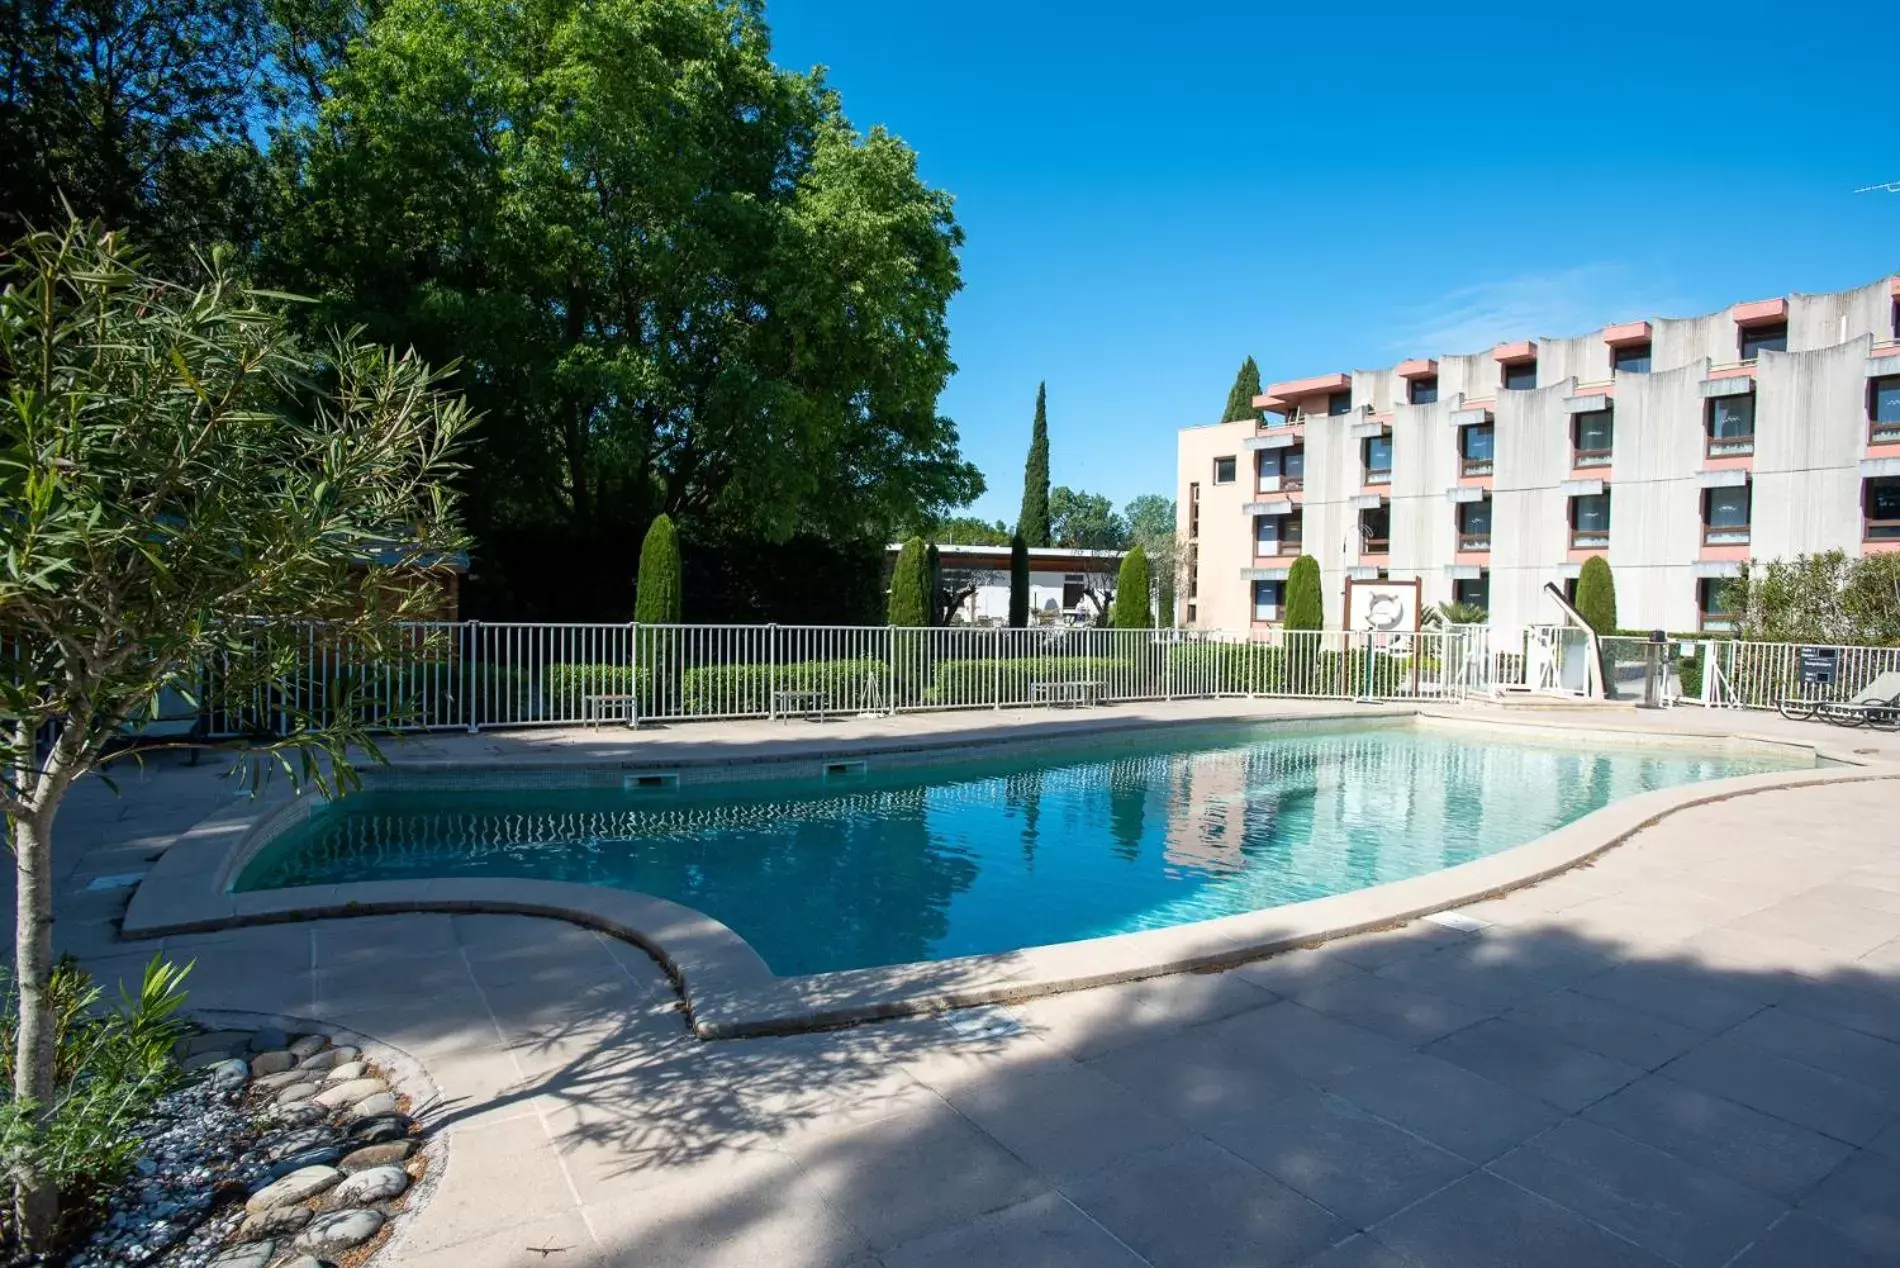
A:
[1687,1053]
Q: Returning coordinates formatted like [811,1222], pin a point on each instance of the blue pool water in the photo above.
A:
[1033,847]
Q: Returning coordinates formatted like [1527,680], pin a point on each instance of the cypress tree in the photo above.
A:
[1033,522]
[1164,602]
[1305,605]
[933,573]
[1596,595]
[658,598]
[1240,396]
[1018,582]
[910,586]
[1131,611]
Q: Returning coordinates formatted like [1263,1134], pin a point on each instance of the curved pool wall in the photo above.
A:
[729,990]
[987,852]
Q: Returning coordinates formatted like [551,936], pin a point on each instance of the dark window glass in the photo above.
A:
[1293,462]
[1759,339]
[1378,453]
[1339,403]
[1474,518]
[1475,441]
[1596,437]
[1590,514]
[1266,600]
[1223,471]
[1728,508]
[1071,592]
[1477,593]
[1375,529]
[1732,424]
[1886,400]
[1630,358]
[1883,509]
[1520,376]
[1424,391]
[1714,602]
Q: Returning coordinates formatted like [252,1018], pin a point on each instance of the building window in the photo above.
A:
[1520,376]
[1715,603]
[1731,425]
[1725,516]
[1072,591]
[1474,449]
[1474,525]
[1593,436]
[1759,339]
[1590,521]
[1194,510]
[1375,530]
[1224,470]
[1282,470]
[1422,391]
[1880,507]
[1194,570]
[1883,412]
[1475,594]
[1339,403]
[1194,613]
[1267,596]
[1630,358]
[1376,452]
[1277,534]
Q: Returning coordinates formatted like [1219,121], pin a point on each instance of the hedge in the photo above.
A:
[974,680]
[849,684]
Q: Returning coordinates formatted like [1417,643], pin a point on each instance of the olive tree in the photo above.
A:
[187,496]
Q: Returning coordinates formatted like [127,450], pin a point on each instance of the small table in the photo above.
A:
[617,704]
[1087,692]
[808,703]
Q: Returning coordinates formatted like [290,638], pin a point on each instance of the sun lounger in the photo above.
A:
[1878,704]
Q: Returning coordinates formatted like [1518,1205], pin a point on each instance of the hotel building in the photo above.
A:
[1675,448]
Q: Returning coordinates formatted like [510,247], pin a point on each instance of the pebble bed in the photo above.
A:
[282,1151]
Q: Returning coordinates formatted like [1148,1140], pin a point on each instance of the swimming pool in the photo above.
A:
[1008,848]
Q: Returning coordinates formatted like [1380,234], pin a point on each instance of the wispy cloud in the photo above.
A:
[1567,302]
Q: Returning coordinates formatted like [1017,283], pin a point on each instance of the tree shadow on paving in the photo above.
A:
[1414,1097]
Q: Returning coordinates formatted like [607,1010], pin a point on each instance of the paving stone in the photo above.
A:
[1801,1241]
[1864,1058]
[1448,1105]
[1688,995]
[1359,1251]
[1532,1061]
[375,1184]
[1338,1155]
[298,1186]
[1198,1078]
[299,1113]
[1862,1199]
[1608,1027]
[339,1231]
[1393,1009]
[1044,1232]
[1310,1045]
[1064,1122]
[1787,1089]
[323,1157]
[1198,1206]
[1687,1215]
[1482,1222]
[1763,1152]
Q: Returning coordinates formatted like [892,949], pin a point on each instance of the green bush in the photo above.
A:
[659,597]
[910,586]
[979,680]
[1596,594]
[110,1066]
[1305,602]
[1132,600]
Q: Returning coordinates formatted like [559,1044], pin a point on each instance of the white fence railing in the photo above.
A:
[472,675]
[1742,675]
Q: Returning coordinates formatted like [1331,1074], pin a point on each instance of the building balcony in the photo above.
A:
[1474,466]
[1731,446]
[1377,475]
[1717,535]
[1474,543]
[1589,538]
[1884,432]
[1582,458]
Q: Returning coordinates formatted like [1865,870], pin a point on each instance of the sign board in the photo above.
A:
[1383,607]
[1818,665]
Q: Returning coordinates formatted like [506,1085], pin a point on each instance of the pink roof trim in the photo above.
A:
[1522,350]
[1307,387]
[1760,310]
[1418,368]
[1627,332]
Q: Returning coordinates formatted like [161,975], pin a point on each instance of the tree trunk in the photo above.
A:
[36,1200]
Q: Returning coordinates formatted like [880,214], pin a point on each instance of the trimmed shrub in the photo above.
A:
[659,598]
[910,586]
[979,680]
[849,685]
[1596,595]
[1131,611]
[1305,603]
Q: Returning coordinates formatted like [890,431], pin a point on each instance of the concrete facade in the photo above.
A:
[1645,425]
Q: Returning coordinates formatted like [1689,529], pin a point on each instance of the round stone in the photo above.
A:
[296,1142]
[272,1063]
[277,1082]
[279,1221]
[344,1073]
[380,1129]
[252,1255]
[375,1106]
[296,1092]
[299,1113]
[303,1261]
[295,1187]
[387,1154]
[338,1231]
[349,1093]
[309,1046]
[269,1039]
[373,1185]
[231,1070]
[324,1157]
[328,1059]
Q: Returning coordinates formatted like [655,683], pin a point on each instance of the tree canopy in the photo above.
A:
[1240,397]
[1085,521]
[1034,520]
[1822,598]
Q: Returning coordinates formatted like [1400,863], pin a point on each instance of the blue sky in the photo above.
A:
[1153,192]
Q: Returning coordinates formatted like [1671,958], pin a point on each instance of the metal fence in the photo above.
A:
[473,675]
[1740,675]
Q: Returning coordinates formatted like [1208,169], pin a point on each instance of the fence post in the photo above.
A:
[471,707]
[771,672]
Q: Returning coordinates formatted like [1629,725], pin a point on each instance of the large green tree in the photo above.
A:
[1240,397]
[679,279]
[181,486]
[1085,521]
[1033,522]
[1151,524]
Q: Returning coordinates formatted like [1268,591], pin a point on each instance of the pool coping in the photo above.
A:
[728,990]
